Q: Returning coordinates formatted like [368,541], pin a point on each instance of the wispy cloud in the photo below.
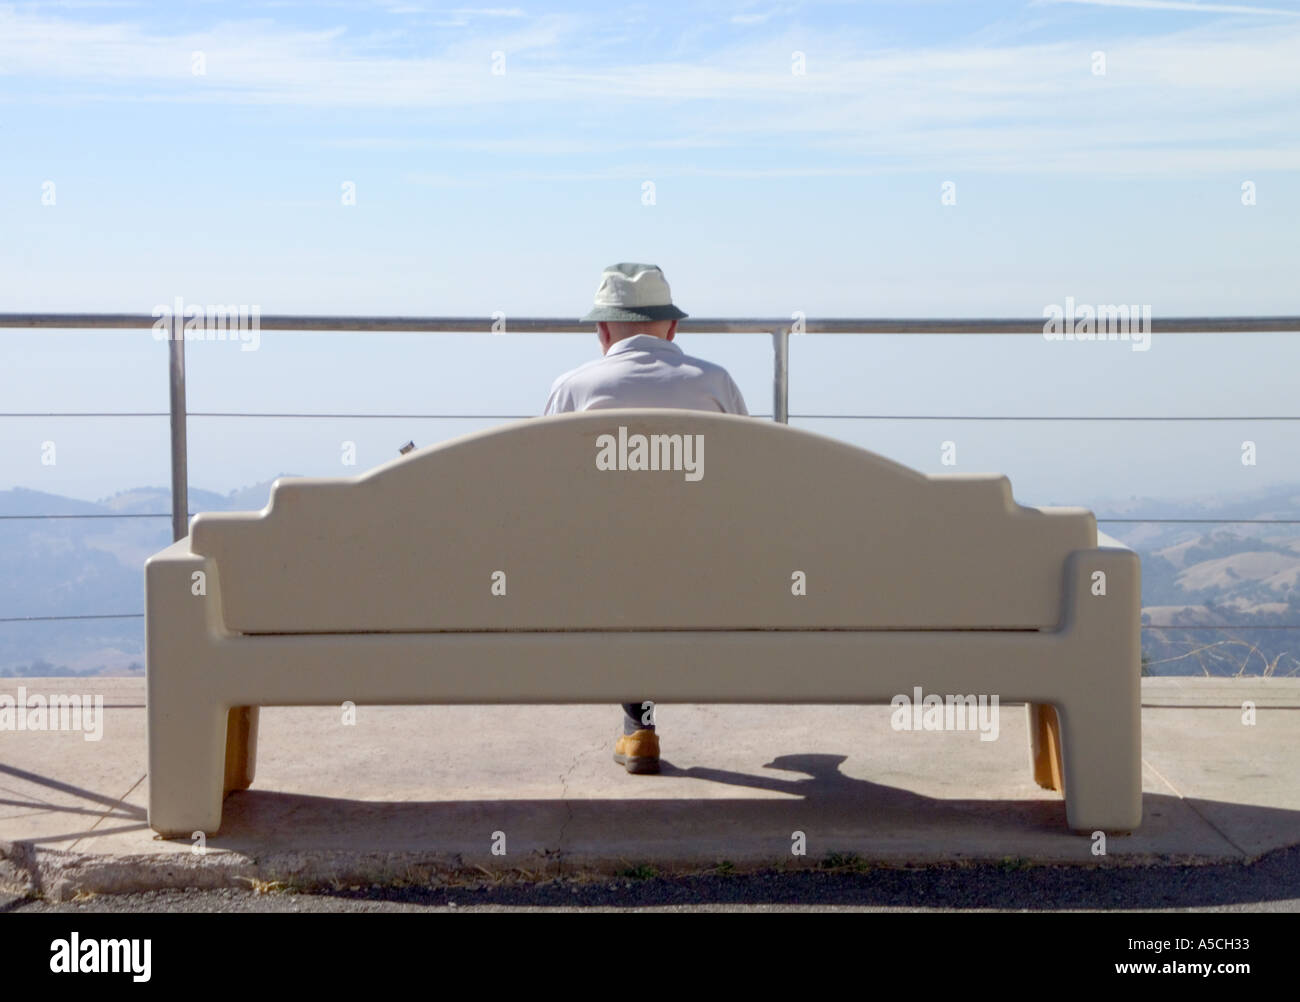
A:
[488,11]
[1185,5]
[1209,98]
[459,14]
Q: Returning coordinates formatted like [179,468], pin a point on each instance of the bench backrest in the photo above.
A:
[714,536]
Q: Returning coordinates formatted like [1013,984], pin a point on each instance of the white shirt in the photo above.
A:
[646,371]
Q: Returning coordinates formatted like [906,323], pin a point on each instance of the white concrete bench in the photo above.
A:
[536,563]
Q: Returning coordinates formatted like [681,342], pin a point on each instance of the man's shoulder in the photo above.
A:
[705,365]
[567,387]
[565,377]
[683,381]
[711,370]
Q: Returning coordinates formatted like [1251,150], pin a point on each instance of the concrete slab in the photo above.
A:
[418,793]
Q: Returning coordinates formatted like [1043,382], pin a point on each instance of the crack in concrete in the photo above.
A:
[1192,807]
[568,808]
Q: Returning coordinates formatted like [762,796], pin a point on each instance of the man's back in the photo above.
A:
[641,367]
[646,371]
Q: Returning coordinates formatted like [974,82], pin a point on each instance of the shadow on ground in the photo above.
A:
[976,853]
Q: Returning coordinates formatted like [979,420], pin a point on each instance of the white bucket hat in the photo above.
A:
[633,292]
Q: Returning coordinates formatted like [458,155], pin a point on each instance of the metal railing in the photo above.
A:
[779,329]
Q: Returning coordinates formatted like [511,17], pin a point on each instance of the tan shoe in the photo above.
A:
[638,752]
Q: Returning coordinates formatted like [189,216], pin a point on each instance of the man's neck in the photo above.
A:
[634,334]
[628,337]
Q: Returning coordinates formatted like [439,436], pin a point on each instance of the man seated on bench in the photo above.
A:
[635,321]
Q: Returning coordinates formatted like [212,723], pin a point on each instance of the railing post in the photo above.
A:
[180,474]
[781,375]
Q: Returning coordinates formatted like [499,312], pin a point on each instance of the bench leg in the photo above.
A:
[1045,746]
[241,747]
[1103,769]
[187,717]
[187,767]
[1099,712]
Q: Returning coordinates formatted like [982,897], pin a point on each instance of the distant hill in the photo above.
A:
[1193,575]
[1199,575]
[76,567]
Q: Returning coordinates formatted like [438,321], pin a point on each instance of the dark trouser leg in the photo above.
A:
[633,713]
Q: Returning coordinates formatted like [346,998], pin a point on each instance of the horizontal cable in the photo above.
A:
[1248,626]
[96,515]
[1135,521]
[512,417]
[1044,417]
[1207,521]
[567,325]
[258,414]
[140,615]
[54,619]
[385,417]
[1100,518]
[40,414]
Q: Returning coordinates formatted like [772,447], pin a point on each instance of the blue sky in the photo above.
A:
[775,191]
